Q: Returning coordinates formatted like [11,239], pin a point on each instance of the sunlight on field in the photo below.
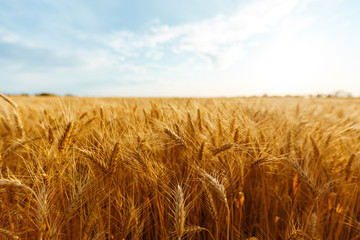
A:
[142,168]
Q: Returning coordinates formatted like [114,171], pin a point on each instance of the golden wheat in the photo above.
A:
[139,168]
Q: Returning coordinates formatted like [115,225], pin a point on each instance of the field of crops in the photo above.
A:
[218,168]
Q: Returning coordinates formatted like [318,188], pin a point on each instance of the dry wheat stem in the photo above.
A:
[11,102]
[179,212]
[201,152]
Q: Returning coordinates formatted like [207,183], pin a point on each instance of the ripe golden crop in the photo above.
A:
[146,168]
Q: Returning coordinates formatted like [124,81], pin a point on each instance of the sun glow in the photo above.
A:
[291,64]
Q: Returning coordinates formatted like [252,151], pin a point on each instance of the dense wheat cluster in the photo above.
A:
[239,168]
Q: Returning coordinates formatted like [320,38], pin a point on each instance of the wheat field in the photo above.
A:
[147,168]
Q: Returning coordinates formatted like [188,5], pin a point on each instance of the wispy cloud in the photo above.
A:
[218,40]
[7,36]
[252,48]
[35,58]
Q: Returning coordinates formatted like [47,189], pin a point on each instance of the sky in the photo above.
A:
[188,48]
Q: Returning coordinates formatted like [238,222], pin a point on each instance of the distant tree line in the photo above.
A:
[337,94]
[43,94]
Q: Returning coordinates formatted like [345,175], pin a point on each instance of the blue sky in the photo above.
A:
[179,48]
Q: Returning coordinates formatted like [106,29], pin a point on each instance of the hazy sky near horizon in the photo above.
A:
[179,48]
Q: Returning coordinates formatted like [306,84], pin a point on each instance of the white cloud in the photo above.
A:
[118,63]
[254,44]
[7,36]
[218,40]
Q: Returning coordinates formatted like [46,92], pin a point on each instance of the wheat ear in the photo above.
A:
[7,234]
[220,189]
[236,135]
[348,166]
[222,148]
[11,102]
[19,125]
[200,124]
[64,140]
[210,203]
[179,213]
[201,152]
[50,135]
[191,125]
[304,177]
[175,137]
[315,148]
[114,159]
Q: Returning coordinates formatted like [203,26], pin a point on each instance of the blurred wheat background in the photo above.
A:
[217,168]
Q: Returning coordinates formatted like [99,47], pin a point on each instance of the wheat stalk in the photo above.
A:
[275,164]
[194,229]
[304,177]
[210,204]
[19,125]
[64,140]
[11,102]
[179,212]
[5,124]
[199,120]
[298,235]
[220,127]
[190,122]
[348,166]
[220,189]
[236,136]
[222,148]
[8,234]
[114,158]
[175,137]
[315,148]
[50,135]
[201,152]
